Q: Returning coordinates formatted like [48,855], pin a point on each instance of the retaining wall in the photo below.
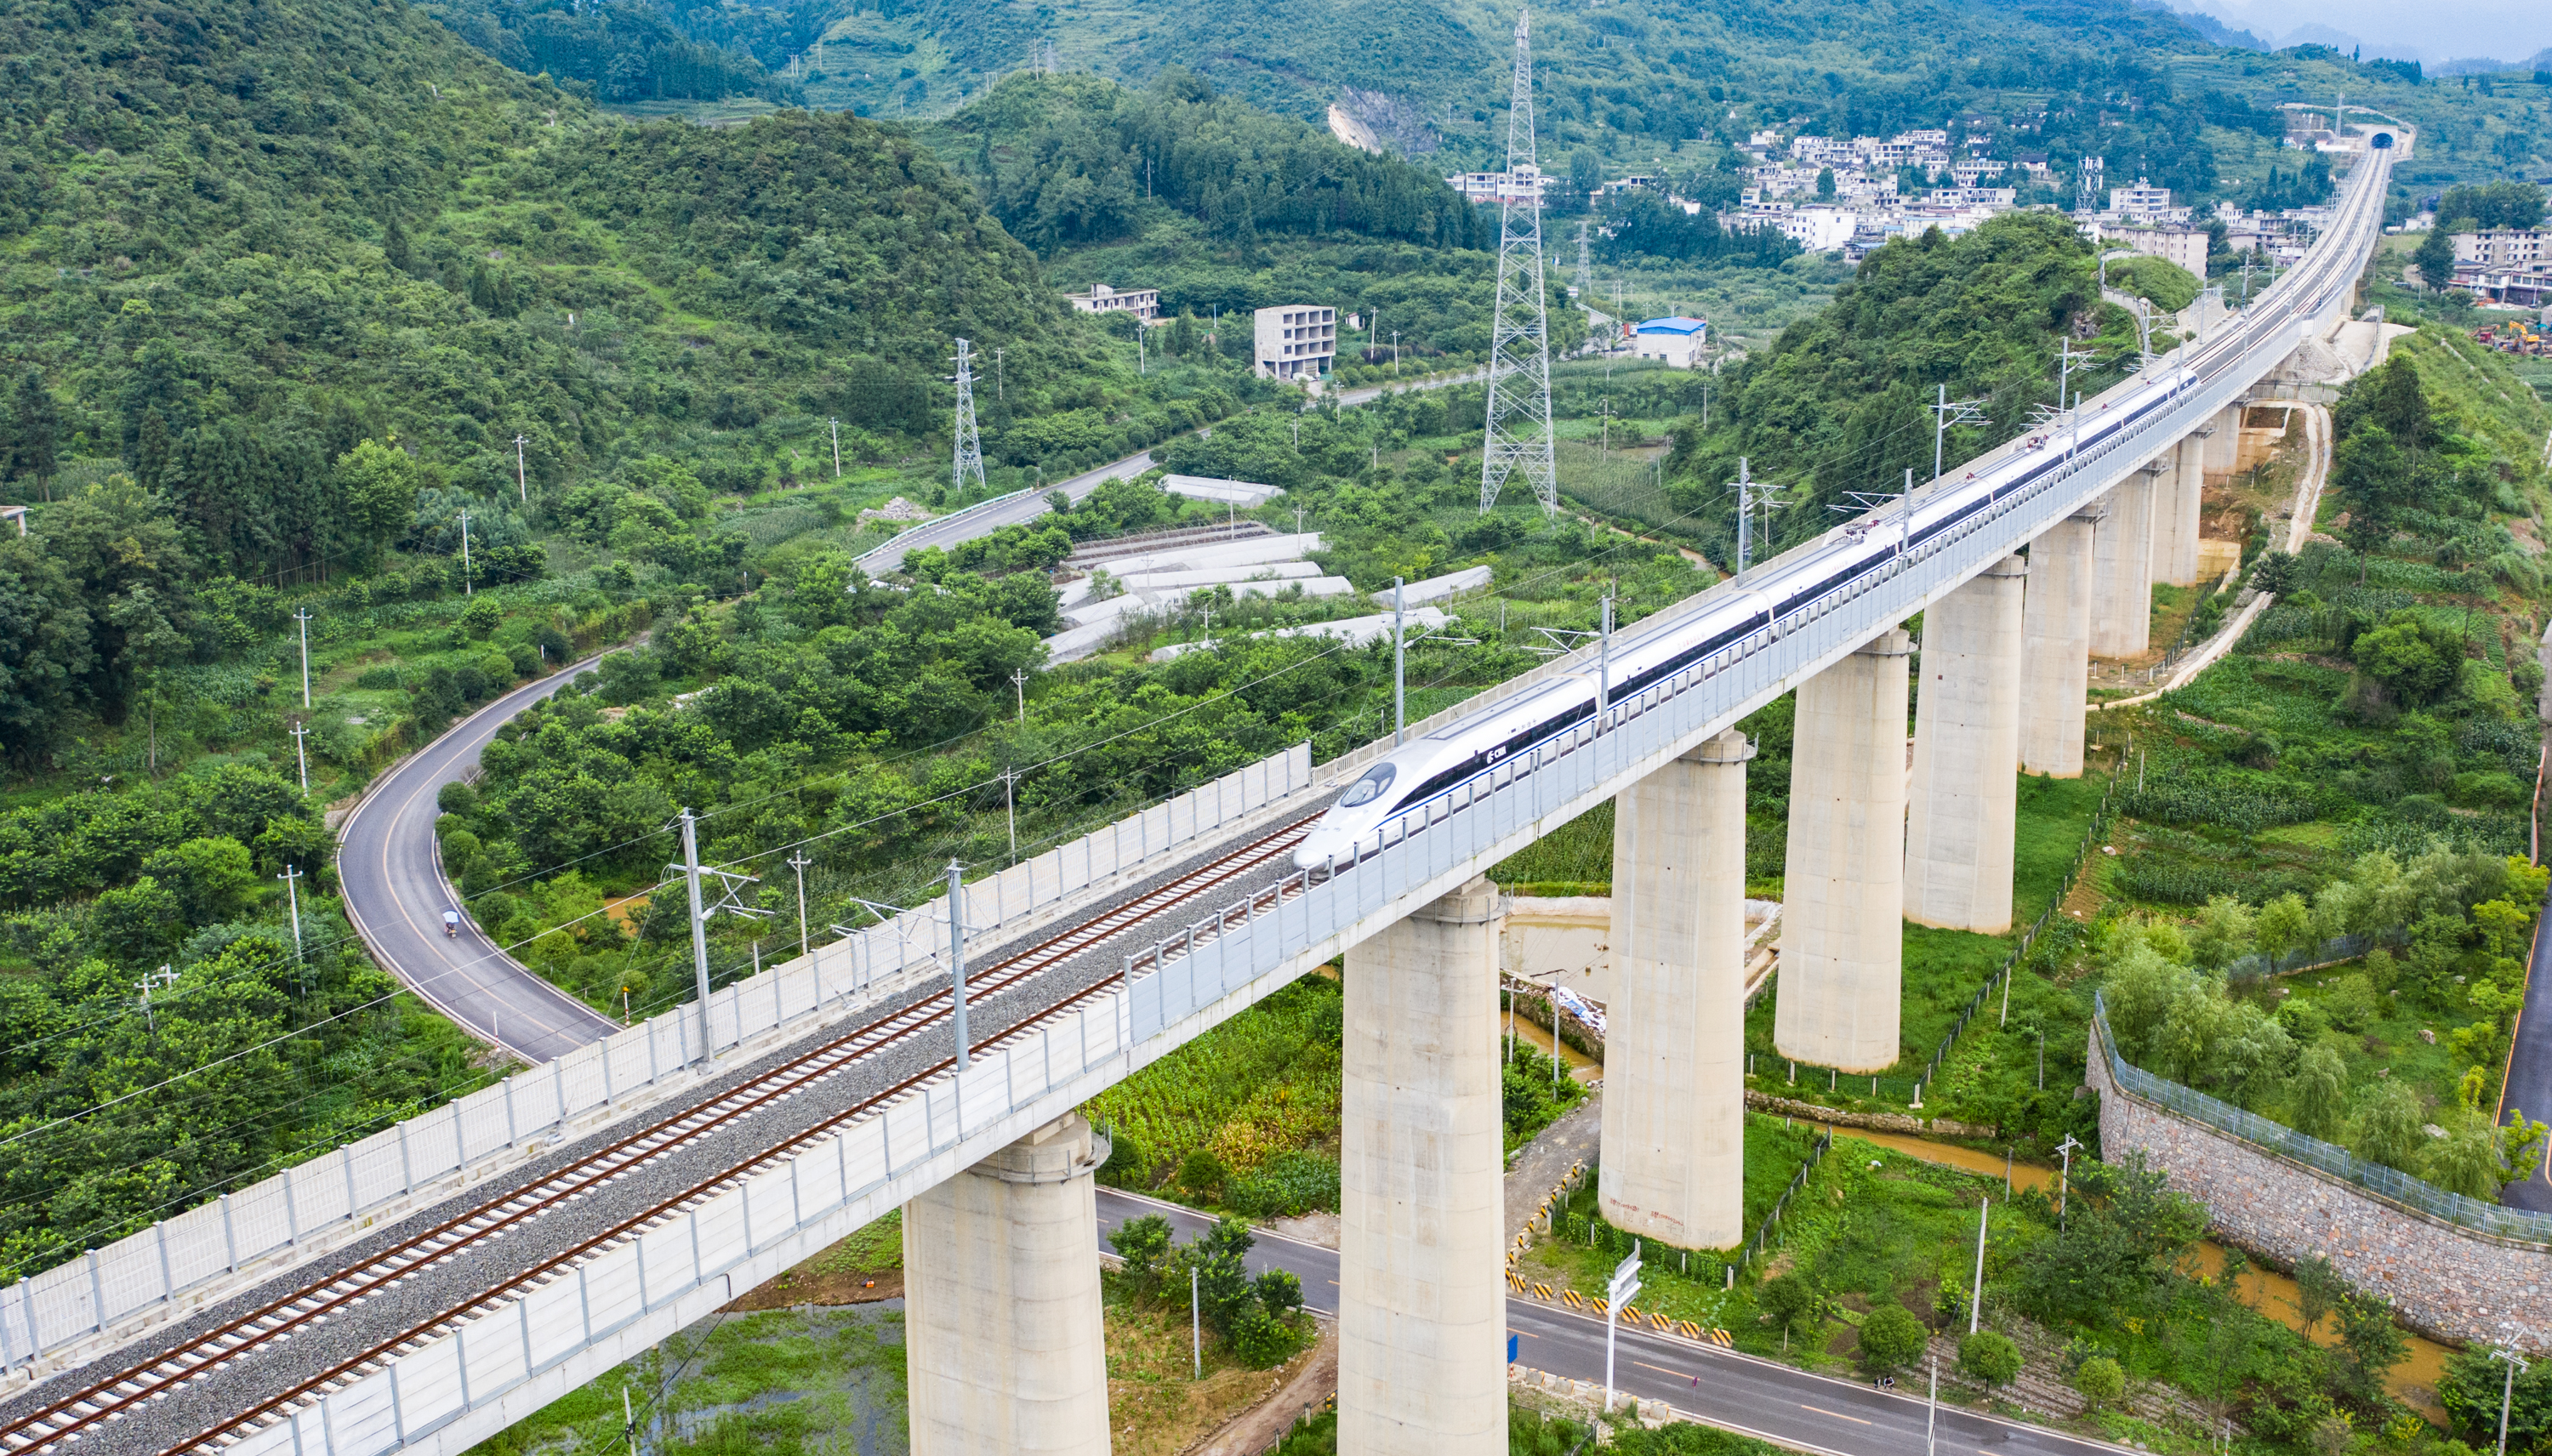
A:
[2447,1283]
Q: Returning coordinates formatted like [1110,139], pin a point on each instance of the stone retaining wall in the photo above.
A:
[2447,1283]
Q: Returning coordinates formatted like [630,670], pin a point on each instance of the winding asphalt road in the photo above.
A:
[2527,1087]
[395,895]
[1704,1382]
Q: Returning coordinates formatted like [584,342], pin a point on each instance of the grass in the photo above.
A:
[1583,1249]
[1156,1400]
[779,1382]
[1943,967]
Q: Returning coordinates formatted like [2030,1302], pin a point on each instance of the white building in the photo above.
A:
[2504,246]
[1819,229]
[1297,341]
[1142,303]
[2141,201]
[2186,246]
[1524,187]
[1675,339]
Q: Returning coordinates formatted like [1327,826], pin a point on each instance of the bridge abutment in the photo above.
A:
[1421,1297]
[1843,958]
[1967,750]
[1004,1348]
[1674,1054]
[2122,571]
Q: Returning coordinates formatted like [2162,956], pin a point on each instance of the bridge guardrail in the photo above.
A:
[338,1193]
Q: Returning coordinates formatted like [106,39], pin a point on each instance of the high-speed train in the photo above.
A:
[1425,767]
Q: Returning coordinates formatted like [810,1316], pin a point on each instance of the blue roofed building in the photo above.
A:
[1676,340]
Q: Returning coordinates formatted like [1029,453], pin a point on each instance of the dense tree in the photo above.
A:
[2491,205]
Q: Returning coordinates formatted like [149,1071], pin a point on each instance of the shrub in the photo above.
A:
[1989,1357]
[1791,1304]
[1261,1340]
[1892,1338]
[1130,1164]
[1201,1173]
[2102,1380]
[1143,1243]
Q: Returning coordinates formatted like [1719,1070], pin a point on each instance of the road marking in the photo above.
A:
[1838,1416]
[1529,1334]
[1661,1370]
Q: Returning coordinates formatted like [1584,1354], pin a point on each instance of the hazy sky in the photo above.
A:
[2510,29]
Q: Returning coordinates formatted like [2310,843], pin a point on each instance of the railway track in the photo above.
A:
[62,1422]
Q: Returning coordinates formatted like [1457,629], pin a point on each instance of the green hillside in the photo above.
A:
[236,247]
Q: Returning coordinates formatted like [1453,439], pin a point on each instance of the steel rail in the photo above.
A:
[66,1419]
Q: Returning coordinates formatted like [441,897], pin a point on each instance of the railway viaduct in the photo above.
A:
[440,1281]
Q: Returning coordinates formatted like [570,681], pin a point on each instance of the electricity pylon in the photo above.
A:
[970,446]
[1519,435]
[1585,275]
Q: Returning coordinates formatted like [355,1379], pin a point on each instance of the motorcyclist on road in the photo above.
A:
[452,922]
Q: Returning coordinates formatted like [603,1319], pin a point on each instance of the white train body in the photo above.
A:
[1426,766]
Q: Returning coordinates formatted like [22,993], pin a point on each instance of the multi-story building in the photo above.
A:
[2500,248]
[2142,200]
[1297,341]
[1142,303]
[1528,186]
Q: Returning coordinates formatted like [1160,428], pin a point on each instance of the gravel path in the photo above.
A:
[1542,1163]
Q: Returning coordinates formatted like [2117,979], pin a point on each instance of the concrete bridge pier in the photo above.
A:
[1003,1346]
[2055,647]
[2174,518]
[2122,571]
[2222,451]
[1843,954]
[1422,1296]
[1674,1067]
[1967,751]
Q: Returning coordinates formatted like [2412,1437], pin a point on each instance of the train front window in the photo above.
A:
[1369,787]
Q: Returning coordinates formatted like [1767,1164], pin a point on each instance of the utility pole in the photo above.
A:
[1019,684]
[303,617]
[699,924]
[1395,353]
[1000,395]
[521,487]
[1142,358]
[464,552]
[969,464]
[1976,1299]
[1751,494]
[2064,1180]
[1517,434]
[1398,671]
[163,977]
[837,447]
[1944,415]
[291,877]
[1931,1413]
[799,862]
[301,756]
[957,952]
[2507,1384]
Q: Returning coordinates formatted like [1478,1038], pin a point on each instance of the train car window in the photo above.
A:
[1369,787]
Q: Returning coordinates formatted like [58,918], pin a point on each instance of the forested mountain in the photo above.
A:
[1068,160]
[611,53]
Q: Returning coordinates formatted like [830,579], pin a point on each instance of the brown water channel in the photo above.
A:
[2272,1294]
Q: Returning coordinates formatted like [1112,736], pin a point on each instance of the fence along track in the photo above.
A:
[66,1419]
